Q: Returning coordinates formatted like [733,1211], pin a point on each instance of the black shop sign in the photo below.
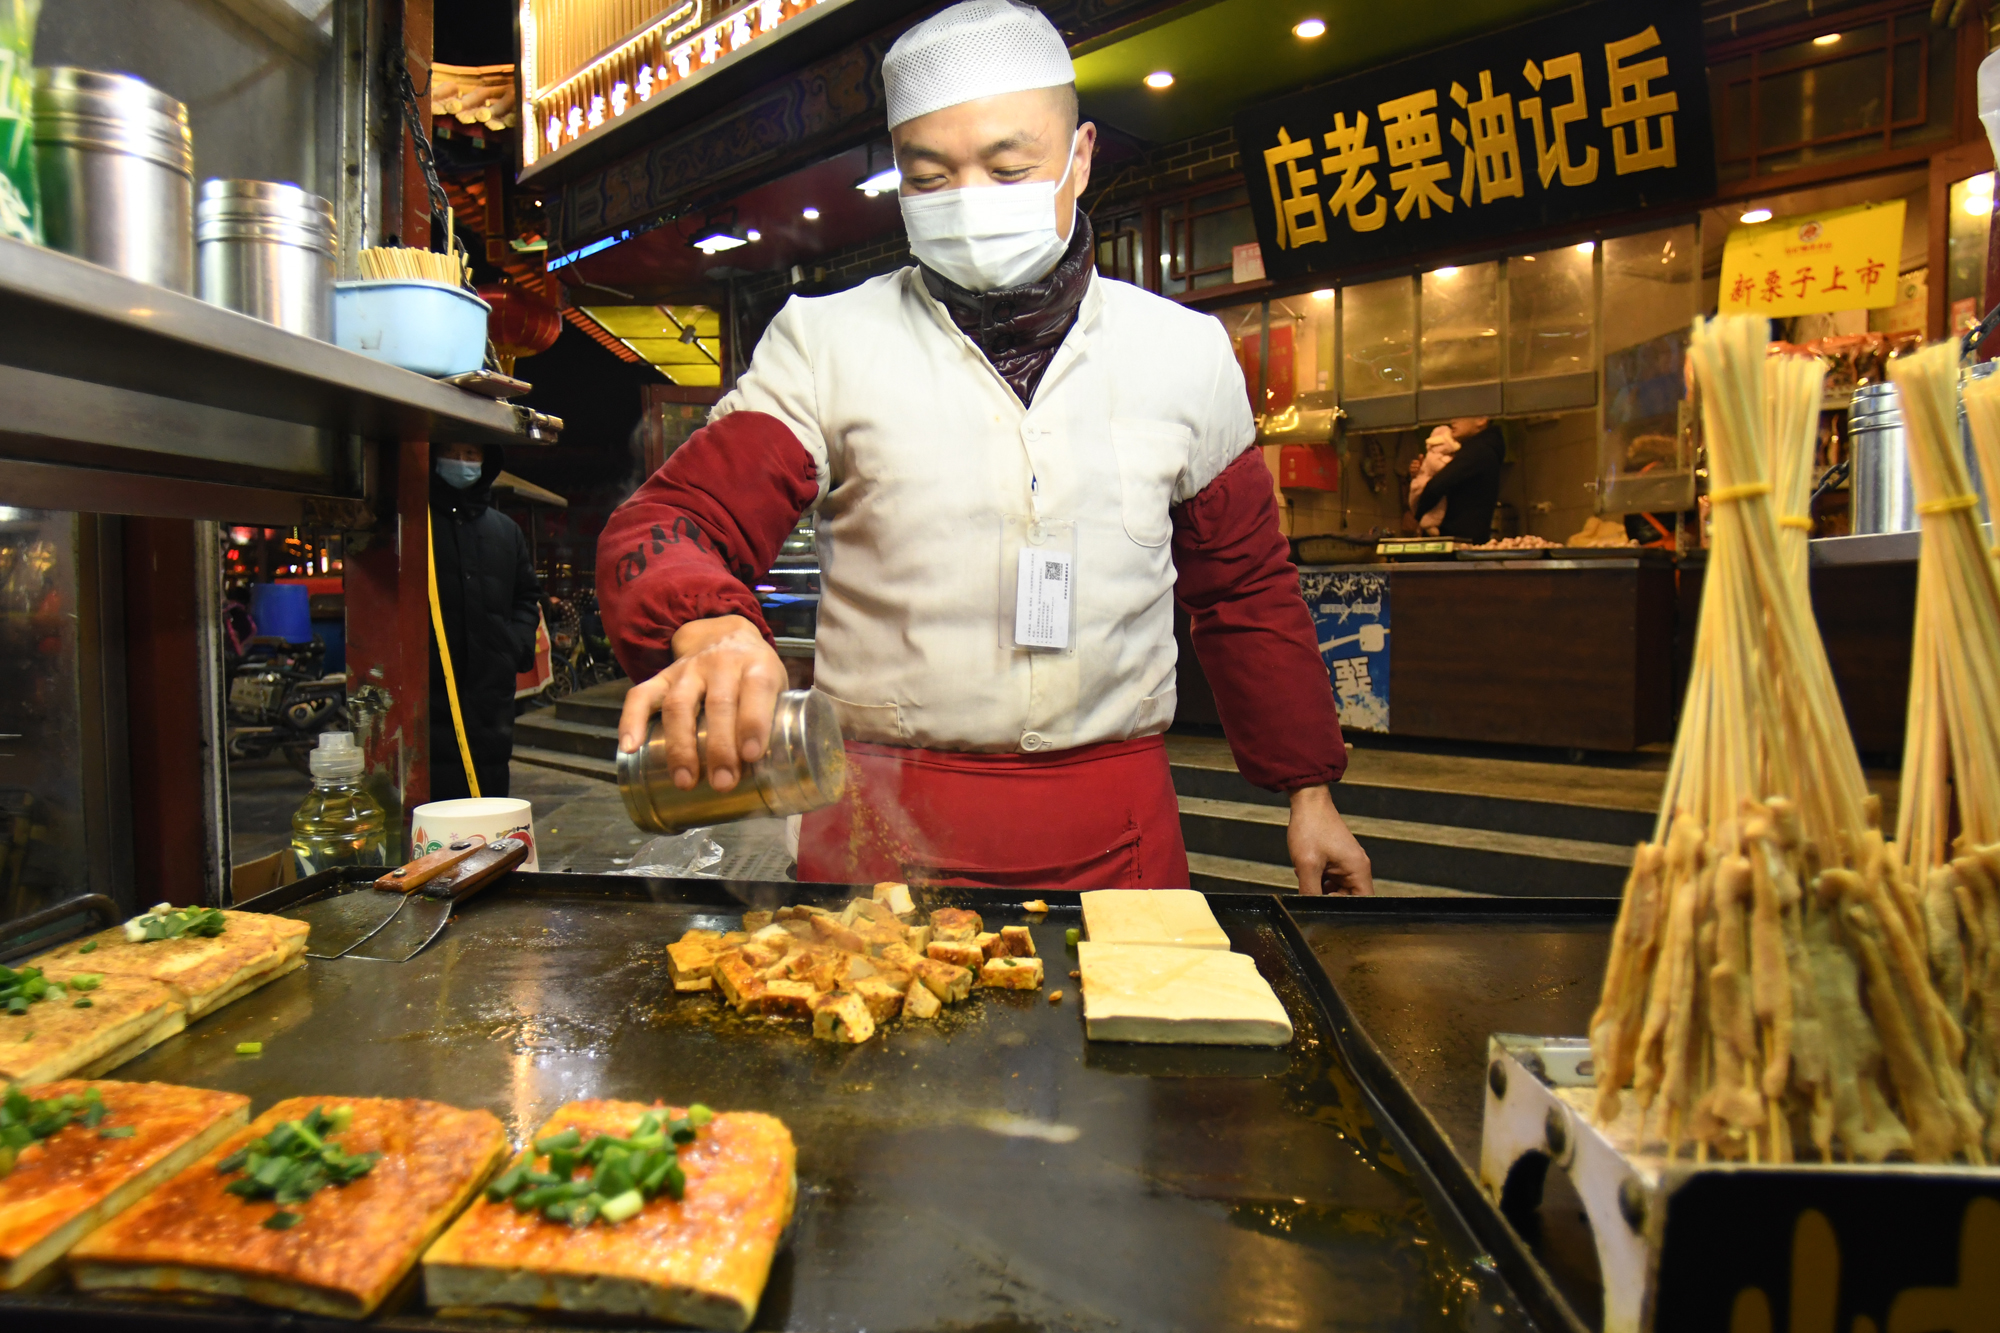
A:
[1597,110]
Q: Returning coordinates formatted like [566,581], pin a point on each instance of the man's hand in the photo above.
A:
[721,666]
[1324,853]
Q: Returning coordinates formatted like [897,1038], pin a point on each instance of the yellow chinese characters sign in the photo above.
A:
[1844,259]
[1595,111]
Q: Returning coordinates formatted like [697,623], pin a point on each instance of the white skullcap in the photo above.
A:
[981,48]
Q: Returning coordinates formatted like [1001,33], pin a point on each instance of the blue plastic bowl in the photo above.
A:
[428,327]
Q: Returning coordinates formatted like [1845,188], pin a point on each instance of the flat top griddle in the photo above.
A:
[992,1171]
[1420,984]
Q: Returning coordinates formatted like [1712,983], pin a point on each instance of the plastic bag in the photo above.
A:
[686,855]
[20,213]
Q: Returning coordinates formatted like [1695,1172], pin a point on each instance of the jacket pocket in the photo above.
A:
[1152,455]
[866,722]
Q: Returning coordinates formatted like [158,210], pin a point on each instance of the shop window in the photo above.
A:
[1800,101]
[1551,329]
[1299,393]
[1121,247]
[1651,288]
[1245,326]
[1197,238]
[1965,251]
[1458,359]
[1378,362]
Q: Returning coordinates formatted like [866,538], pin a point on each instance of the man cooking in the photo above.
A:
[1018,467]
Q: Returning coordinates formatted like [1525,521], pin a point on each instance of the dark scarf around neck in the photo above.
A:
[1020,328]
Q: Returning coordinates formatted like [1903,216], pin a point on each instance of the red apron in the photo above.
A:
[1096,817]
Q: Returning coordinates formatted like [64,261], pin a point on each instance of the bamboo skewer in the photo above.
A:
[1768,983]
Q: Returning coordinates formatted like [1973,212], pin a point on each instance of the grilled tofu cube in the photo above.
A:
[1017,941]
[867,909]
[791,998]
[739,983]
[883,1000]
[773,936]
[712,936]
[896,897]
[946,981]
[785,914]
[691,963]
[877,936]
[831,931]
[918,1002]
[959,953]
[899,955]
[756,921]
[919,938]
[989,945]
[955,923]
[1012,974]
[842,1017]
[760,956]
[896,976]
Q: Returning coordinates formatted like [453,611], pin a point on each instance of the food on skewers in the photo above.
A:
[851,971]
[82,1153]
[345,1245]
[702,1200]
[1951,759]
[1768,994]
[208,956]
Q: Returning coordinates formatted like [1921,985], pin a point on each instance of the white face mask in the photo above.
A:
[988,237]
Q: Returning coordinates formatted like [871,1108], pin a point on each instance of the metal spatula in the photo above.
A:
[424,912]
[346,919]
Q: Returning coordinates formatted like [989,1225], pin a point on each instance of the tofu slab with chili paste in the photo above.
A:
[116,1142]
[701,1259]
[205,971]
[347,1245]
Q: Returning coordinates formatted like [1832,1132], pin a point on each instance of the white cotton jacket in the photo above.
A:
[932,475]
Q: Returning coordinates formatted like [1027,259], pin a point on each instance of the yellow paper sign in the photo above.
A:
[1842,259]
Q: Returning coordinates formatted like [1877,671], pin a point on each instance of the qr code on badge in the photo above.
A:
[1052,570]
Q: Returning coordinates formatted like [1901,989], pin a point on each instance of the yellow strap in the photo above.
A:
[1949,504]
[1743,492]
[1799,521]
[444,656]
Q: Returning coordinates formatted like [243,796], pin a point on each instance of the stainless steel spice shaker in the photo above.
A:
[266,249]
[804,768]
[115,162]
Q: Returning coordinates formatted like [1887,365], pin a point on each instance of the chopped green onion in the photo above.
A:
[85,981]
[82,1002]
[293,1162]
[1071,936]
[565,1141]
[623,1172]
[249,1048]
[118,1132]
[89,946]
[621,1206]
[281,1221]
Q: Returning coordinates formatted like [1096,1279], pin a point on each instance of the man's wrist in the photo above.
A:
[696,635]
[1316,796]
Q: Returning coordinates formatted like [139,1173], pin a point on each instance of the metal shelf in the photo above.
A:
[128,398]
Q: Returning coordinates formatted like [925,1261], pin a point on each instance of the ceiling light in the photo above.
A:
[1754,216]
[1158,79]
[1978,205]
[1826,39]
[754,235]
[1585,247]
[809,213]
[716,242]
[1323,294]
[1449,271]
[1309,28]
[882,182]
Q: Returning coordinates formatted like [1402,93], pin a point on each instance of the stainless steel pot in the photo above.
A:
[804,769]
[115,162]
[1880,454]
[267,250]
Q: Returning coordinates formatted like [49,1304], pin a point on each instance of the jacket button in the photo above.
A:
[1033,741]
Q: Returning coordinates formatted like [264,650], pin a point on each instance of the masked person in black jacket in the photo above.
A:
[489,598]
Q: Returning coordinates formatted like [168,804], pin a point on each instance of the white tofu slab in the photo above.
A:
[1178,917]
[1208,997]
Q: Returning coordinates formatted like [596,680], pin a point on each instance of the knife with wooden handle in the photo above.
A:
[425,911]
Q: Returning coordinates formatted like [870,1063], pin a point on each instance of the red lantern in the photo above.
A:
[523,322]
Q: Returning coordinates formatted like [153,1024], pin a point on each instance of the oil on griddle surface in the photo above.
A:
[992,1171]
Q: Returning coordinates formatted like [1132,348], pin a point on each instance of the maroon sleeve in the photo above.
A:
[689,543]
[1253,633]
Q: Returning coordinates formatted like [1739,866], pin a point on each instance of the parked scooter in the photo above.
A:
[281,699]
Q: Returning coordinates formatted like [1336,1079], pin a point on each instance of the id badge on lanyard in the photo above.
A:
[1042,555]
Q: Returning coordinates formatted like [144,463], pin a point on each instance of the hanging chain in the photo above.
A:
[406,93]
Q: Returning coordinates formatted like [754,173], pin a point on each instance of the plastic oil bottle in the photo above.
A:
[339,823]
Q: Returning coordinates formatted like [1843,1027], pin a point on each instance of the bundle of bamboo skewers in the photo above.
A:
[1951,762]
[1768,991]
[407,263]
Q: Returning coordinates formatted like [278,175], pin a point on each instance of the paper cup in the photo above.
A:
[483,818]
